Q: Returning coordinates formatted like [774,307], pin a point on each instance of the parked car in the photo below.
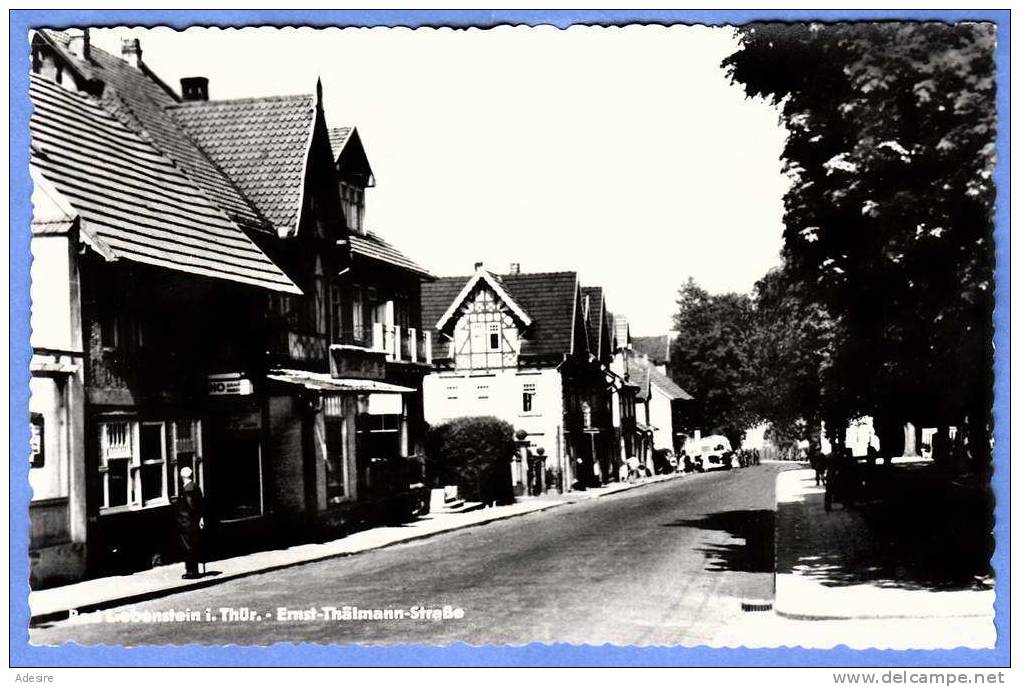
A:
[714,451]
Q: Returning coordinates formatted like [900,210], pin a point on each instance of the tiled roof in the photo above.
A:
[374,247]
[132,197]
[594,323]
[667,386]
[655,347]
[261,144]
[139,99]
[338,136]
[547,297]
[638,371]
[621,330]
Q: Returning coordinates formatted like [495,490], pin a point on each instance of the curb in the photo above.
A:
[63,614]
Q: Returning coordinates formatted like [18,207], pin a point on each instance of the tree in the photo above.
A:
[792,347]
[889,220]
[710,358]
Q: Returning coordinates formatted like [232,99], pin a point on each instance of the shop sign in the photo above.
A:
[230,384]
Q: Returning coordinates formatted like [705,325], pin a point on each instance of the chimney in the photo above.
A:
[131,51]
[515,268]
[79,44]
[194,88]
[479,265]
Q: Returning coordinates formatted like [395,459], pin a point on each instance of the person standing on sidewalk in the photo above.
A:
[190,522]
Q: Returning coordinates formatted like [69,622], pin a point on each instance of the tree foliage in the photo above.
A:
[889,220]
[710,358]
[473,453]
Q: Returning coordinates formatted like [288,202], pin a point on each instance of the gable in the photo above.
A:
[350,158]
[579,341]
[549,298]
[480,279]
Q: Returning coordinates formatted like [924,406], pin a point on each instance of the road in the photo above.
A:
[665,564]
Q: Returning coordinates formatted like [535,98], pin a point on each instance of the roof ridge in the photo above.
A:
[536,274]
[241,101]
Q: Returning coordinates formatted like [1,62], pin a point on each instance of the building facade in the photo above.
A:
[516,346]
[207,297]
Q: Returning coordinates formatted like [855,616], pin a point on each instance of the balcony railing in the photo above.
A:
[402,344]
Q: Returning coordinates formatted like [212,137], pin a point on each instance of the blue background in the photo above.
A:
[22,654]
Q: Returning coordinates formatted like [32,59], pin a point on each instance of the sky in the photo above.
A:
[623,154]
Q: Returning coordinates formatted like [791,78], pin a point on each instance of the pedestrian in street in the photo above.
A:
[818,464]
[190,522]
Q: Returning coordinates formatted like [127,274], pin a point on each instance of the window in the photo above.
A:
[528,398]
[116,456]
[140,462]
[121,332]
[336,314]
[358,311]
[378,437]
[315,304]
[494,336]
[109,332]
[185,452]
[37,441]
[151,469]
[353,200]
[335,464]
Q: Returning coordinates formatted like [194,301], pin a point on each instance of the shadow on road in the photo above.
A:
[910,529]
[755,527]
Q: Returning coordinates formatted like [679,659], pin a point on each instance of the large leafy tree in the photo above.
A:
[889,218]
[792,345]
[710,358]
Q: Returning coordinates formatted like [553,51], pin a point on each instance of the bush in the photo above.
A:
[473,453]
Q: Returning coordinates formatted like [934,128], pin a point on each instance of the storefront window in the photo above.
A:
[116,455]
[186,452]
[241,469]
[140,462]
[335,477]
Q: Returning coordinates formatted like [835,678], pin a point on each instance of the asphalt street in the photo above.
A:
[665,564]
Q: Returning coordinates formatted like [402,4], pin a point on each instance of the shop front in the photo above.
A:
[230,464]
[355,461]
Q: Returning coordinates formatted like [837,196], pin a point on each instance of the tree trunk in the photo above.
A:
[890,437]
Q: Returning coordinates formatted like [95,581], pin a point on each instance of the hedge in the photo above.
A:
[473,453]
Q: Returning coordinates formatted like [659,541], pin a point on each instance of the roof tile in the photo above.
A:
[547,297]
[132,197]
[260,143]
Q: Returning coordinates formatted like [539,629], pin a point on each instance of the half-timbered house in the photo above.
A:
[516,346]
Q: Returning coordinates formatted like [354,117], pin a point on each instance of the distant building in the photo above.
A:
[655,348]
[517,346]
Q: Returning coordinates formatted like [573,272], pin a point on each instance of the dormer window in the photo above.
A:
[352,199]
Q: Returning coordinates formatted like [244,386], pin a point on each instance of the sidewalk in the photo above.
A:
[106,592]
[865,563]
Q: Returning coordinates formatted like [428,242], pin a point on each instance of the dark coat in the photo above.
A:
[189,510]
